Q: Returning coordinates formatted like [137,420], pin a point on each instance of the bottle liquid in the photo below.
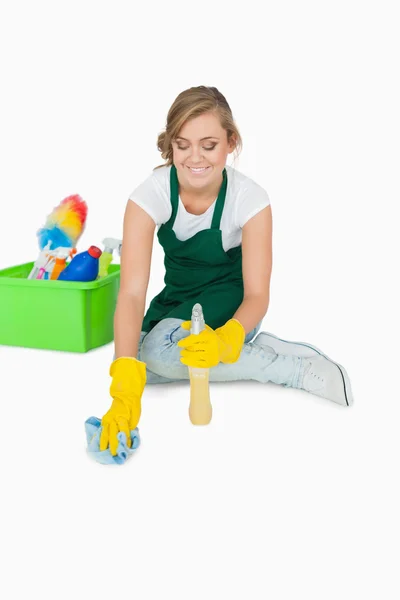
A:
[200,409]
[110,244]
[83,267]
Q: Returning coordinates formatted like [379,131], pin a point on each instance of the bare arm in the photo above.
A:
[137,246]
[257,268]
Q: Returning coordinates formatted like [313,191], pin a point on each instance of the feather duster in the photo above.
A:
[65,225]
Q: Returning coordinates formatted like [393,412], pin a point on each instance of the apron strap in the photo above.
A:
[174,189]
[219,206]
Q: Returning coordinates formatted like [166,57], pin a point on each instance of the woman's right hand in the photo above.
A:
[128,382]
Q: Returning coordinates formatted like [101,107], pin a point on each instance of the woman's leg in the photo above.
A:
[150,376]
[266,359]
[154,378]
[161,353]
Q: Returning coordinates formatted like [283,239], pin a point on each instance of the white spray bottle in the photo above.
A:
[200,409]
[40,262]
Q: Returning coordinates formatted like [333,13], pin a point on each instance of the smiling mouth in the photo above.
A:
[198,169]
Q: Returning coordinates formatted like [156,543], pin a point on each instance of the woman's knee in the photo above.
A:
[165,333]
[159,349]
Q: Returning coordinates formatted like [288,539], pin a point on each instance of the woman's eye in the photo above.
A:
[212,148]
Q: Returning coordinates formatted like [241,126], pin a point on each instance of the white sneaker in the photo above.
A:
[322,376]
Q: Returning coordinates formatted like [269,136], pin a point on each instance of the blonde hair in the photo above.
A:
[192,103]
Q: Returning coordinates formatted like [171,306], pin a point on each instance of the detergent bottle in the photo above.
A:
[110,244]
[200,409]
[83,267]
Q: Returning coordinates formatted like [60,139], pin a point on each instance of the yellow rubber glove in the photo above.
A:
[210,347]
[129,379]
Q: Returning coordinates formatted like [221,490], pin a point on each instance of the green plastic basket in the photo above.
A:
[57,315]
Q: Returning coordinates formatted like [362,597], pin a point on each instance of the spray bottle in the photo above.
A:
[60,256]
[200,409]
[40,262]
[110,244]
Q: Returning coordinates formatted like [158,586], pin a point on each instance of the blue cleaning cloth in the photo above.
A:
[93,431]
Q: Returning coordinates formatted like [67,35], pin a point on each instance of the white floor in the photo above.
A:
[283,495]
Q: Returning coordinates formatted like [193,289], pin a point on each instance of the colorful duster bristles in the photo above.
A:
[65,224]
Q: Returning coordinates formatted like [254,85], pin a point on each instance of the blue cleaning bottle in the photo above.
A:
[83,267]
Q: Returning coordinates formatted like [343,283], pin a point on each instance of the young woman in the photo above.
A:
[215,227]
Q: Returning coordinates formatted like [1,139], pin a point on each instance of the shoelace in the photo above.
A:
[308,371]
[254,349]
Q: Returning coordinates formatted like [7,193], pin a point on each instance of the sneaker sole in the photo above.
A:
[277,347]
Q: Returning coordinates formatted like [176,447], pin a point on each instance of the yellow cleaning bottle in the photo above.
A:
[200,409]
[110,244]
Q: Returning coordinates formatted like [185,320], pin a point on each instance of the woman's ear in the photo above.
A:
[232,143]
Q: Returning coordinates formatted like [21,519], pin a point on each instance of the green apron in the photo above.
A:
[197,270]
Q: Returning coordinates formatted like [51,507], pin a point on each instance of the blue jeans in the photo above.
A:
[159,350]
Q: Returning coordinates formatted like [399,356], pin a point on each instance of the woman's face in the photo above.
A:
[201,144]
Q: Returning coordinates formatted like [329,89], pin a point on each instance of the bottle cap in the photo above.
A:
[95,251]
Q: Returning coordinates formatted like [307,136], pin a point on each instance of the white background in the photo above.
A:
[284,495]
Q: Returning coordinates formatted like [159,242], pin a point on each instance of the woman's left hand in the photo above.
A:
[207,348]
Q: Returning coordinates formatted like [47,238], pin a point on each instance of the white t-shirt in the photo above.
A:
[244,199]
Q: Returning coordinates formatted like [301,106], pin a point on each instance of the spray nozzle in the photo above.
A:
[62,252]
[111,244]
[197,321]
